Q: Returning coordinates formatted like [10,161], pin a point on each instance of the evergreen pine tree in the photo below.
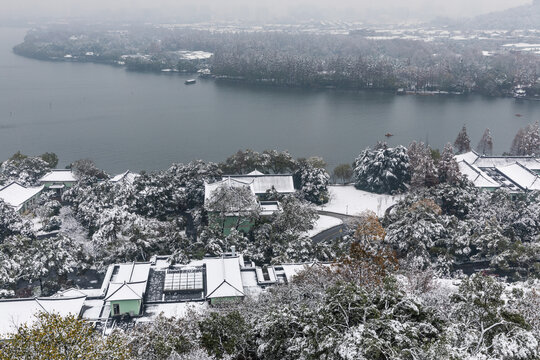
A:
[485,146]
[448,167]
[462,143]
[527,141]
[423,170]
[517,143]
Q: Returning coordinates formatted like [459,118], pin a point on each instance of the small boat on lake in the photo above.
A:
[388,135]
[190,82]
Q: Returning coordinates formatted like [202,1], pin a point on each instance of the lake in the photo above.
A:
[142,121]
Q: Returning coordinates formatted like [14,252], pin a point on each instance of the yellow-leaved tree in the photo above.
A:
[54,337]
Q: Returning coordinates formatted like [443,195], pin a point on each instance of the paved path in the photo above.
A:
[337,231]
[330,234]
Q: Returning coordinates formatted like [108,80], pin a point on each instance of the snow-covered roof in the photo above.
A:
[73,292]
[59,176]
[269,207]
[16,194]
[223,278]
[529,162]
[262,183]
[178,310]
[228,182]
[521,176]
[15,312]
[484,161]
[291,270]
[133,274]
[93,310]
[57,186]
[126,177]
[126,291]
[478,177]
[469,157]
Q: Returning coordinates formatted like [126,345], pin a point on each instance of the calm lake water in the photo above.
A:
[138,121]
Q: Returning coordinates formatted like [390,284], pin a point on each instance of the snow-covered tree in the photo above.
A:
[483,326]
[55,337]
[283,236]
[278,162]
[462,142]
[369,231]
[527,141]
[11,223]
[269,161]
[419,228]
[227,334]
[448,168]
[50,158]
[163,337]
[232,199]
[382,170]
[312,182]
[244,161]
[485,145]
[334,314]
[23,169]
[422,166]
[344,172]
[122,236]
[174,191]
[87,171]
[31,259]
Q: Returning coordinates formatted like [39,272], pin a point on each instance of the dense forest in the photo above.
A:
[359,60]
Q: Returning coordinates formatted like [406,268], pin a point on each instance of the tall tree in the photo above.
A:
[527,141]
[423,170]
[312,181]
[86,169]
[462,143]
[343,172]
[62,338]
[50,158]
[382,170]
[448,167]
[485,146]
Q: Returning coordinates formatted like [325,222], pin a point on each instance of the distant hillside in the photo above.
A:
[521,17]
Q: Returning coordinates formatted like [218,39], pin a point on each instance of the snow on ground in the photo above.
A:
[324,223]
[37,223]
[346,199]
[72,228]
[178,310]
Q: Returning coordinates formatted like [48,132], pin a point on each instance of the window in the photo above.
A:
[183,280]
[116,309]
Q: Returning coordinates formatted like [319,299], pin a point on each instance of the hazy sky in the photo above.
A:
[256,10]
